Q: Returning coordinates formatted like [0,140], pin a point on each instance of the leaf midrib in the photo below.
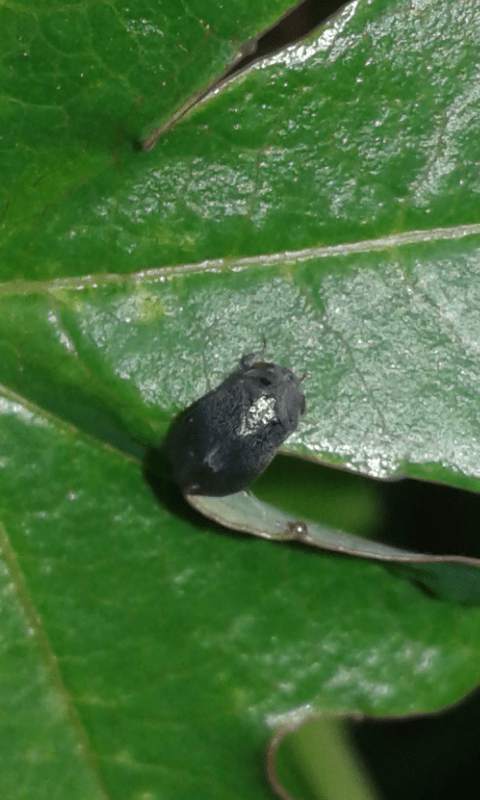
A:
[391,241]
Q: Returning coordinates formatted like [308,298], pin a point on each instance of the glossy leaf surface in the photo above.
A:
[163,651]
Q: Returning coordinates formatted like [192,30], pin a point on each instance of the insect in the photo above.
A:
[226,439]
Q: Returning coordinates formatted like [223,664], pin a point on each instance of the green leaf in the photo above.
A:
[75,78]
[163,650]
[448,576]
[178,646]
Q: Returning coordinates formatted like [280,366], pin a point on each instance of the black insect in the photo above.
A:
[226,439]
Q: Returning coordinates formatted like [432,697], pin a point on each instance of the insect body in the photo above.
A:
[226,439]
